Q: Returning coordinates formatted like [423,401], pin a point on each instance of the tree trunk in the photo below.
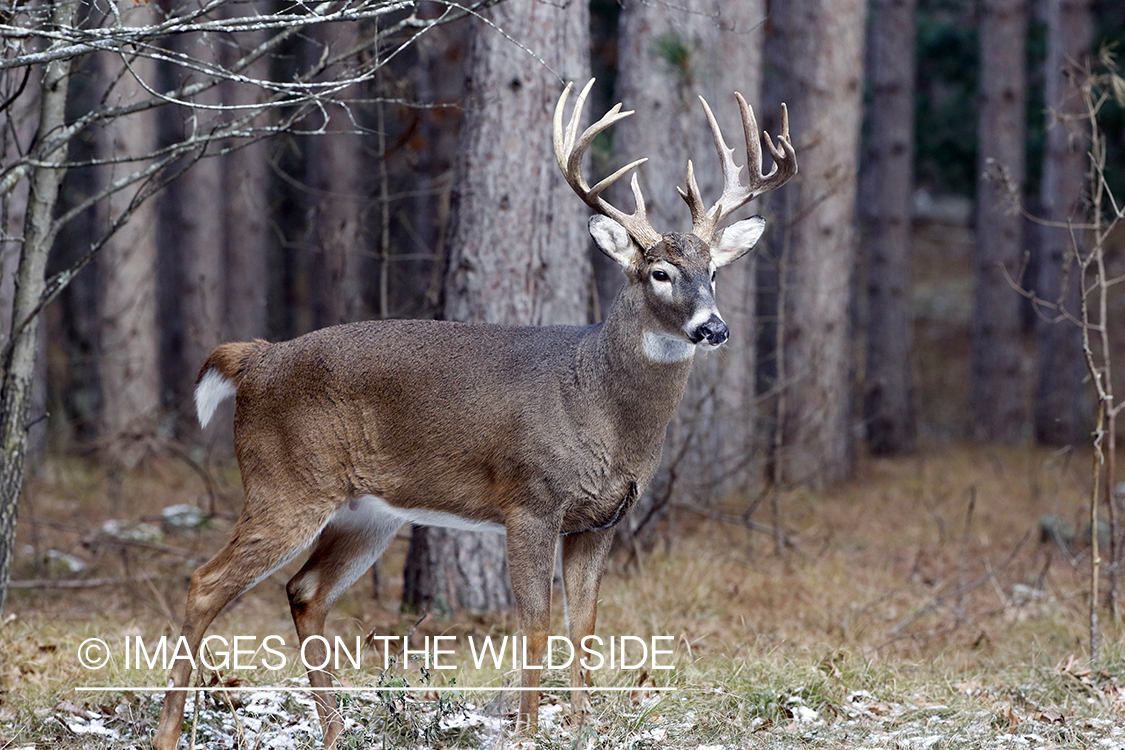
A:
[997,380]
[246,184]
[335,166]
[1061,408]
[18,136]
[198,205]
[735,436]
[129,338]
[817,48]
[887,189]
[420,162]
[246,230]
[19,365]
[668,57]
[80,395]
[518,249]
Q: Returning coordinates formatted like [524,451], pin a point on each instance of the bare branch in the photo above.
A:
[77,583]
[297,98]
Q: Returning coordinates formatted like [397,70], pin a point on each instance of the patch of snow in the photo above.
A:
[802,714]
[65,561]
[135,532]
[805,715]
[183,516]
[96,725]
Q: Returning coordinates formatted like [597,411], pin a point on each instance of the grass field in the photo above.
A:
[916,606]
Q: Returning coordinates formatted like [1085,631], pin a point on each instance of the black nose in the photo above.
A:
[714,330]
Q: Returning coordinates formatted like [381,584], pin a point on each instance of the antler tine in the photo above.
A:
[704,221]
[693,197]
[558,134]
[784,157]
[735,194]
[569,150]
[750,133]
[732,185]
[578,150]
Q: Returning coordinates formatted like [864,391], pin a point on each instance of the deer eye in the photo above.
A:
[659,275]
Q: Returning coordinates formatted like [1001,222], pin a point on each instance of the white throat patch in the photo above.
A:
[660,347]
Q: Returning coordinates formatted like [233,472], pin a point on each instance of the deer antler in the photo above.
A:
[569,152]
[704,221]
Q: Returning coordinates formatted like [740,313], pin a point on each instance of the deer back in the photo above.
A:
[455,418]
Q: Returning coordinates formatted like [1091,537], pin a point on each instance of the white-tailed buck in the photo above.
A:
[347,433]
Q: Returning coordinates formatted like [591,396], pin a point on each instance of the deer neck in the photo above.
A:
[646,372]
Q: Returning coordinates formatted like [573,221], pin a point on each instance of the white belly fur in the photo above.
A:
[368,510]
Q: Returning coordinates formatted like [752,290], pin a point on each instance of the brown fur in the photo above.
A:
[233,359]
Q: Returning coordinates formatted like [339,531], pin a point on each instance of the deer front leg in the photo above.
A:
[531,557]
[583,564]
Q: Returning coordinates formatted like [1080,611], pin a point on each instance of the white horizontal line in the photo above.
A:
[405,689]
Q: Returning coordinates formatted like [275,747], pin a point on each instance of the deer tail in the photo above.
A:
[221,375]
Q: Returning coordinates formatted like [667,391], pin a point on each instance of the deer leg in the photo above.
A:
[258,546]
[583,564]
[531,558]
[349,545]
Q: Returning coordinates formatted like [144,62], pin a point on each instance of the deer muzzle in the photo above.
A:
[714,331]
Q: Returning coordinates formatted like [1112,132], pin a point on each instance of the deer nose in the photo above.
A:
[714,330]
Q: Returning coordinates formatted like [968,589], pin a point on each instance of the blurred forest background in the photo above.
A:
[179,174]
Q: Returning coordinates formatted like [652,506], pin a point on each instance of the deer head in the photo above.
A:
[676,269]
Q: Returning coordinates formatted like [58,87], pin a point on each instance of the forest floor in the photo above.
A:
[920,605]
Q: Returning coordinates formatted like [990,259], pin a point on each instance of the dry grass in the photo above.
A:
[917,602]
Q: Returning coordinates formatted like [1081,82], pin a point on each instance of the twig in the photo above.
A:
[190,555]
[960,591]
[212,486]
[787,540]
[78,583]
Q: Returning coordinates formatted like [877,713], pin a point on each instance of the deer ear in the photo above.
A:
[612,239]
[737,240]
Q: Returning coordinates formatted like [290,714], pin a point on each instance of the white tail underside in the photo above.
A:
[213,389]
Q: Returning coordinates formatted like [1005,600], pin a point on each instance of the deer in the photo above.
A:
[547,433]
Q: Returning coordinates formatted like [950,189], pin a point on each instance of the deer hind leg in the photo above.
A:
[350,544]
[583,564]
[259,545]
